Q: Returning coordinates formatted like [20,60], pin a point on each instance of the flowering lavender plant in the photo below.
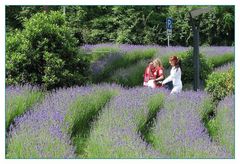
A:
[223,124]
[225,67]
[39,132]
[116,133]
[19,99]
[179,131]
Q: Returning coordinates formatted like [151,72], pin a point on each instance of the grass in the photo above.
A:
[131,76]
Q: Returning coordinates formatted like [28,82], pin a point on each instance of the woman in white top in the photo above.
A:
[175,75]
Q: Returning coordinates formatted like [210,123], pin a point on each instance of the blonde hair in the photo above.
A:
[158,62]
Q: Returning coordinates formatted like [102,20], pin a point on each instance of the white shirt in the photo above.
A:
[175,77]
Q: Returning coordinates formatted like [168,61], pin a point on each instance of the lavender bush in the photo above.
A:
[116,133]
[81,114]
[108,68]
[223,124]
[120,129]
[217,50]
[126,60]
[19,99]
[179,131]
[39,134]
[163,50]
[225,67]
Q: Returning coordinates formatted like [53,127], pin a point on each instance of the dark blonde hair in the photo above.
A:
[158,61]
[177,61]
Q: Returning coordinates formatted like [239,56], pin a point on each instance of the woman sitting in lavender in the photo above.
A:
[175,75]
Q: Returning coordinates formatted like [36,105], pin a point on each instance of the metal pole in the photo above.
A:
[196,60]
[168,40]
[196,64]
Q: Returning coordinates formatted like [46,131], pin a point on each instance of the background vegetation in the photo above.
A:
[135,24]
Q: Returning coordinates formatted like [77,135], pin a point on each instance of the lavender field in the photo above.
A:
[109,120]
[124,63]
[116,130]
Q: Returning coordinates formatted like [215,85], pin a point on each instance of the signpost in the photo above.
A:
[195,27]
[169,26]
[64,10]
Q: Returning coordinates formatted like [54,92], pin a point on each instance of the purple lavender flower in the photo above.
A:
[224,122]
[179,131]
[39,134]
[19,99]
[225,67]
[116,135]
[216,50]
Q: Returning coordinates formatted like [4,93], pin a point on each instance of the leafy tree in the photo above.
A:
[45,52]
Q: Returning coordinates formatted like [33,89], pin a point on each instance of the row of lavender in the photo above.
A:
[116,134]
[162,50]
[223,129]
[106,59]
[178,131]
[41,131]
[19,99]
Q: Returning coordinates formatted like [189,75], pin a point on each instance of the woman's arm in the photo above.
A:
[170,77]
[159,78]
[160,74]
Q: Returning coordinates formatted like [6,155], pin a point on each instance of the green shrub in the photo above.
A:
[220,84]
[188,67]
[45,52]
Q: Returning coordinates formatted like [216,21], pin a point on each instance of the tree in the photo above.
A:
[45,52]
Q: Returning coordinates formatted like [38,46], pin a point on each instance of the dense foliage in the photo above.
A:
[45,52]
[136,24]
[221,84]
[188,66]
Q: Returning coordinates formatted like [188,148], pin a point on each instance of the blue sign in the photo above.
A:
[169,23]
